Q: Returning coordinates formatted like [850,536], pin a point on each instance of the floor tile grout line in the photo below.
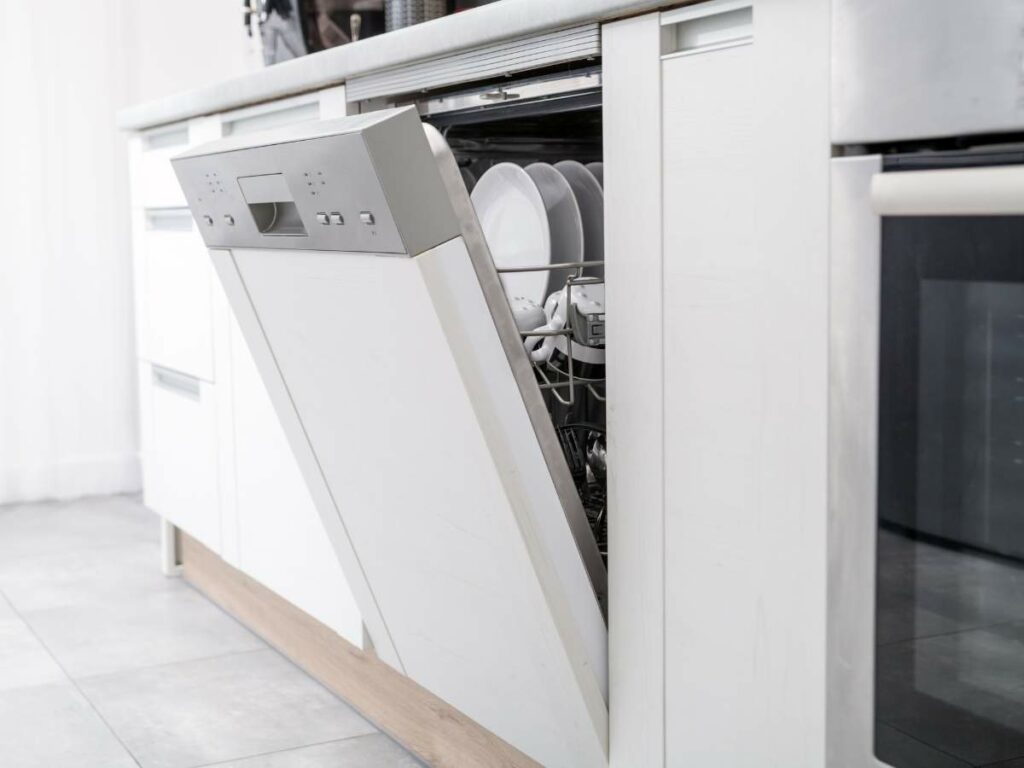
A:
[74,684]
[150,667]
[285,750]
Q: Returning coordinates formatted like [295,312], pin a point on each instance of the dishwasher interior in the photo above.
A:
[548,119]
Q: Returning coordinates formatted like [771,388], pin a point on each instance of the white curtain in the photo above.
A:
[67,372]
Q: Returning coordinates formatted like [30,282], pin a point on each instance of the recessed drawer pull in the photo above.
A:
[707,27]
[173,381]
[165,138]
[168,219]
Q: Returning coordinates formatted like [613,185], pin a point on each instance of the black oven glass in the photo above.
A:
[949,666]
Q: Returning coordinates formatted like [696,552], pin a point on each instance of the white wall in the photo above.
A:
[67,402]
[187,44]
[68,424]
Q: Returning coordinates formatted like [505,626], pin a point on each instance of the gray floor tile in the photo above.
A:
[215,710]
[87,577]
[24,661]
[53,726]
[373,751]
[173,624]
[32,530]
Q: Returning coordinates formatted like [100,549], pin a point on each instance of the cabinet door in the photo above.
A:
[180,445]
[175,293]
[391,356]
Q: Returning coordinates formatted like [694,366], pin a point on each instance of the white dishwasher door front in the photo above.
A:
[356,270]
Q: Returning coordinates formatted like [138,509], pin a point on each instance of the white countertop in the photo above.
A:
[461,31]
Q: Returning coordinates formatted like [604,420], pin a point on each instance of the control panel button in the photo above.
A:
[323,218]
[208,220]
[229,219]
[366,217]
[337,218]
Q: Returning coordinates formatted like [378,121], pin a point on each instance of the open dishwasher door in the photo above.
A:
[355,266]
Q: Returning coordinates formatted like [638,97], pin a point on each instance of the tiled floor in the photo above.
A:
[105,662]
[950,657]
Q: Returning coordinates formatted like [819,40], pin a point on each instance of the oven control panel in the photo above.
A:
[366,183]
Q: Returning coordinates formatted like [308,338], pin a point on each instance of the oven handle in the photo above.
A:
[994,191]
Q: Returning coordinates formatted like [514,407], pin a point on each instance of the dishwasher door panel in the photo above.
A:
[484,606]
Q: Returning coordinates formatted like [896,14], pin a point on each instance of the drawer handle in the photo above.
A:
[165,138]
[706,27]
[168,219]
[996,191]
[179,383]
[247,121]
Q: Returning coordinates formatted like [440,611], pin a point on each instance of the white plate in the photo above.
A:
[514,221]
[598,170]
[590,199]
[564,219]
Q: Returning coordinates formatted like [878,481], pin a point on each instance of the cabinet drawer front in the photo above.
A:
[176,301]
[180,466]
[155,184]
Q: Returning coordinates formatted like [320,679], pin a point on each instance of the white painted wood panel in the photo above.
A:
[154,184]
[471,600]
[633,271]
[181,470]
[746,314]
[282,543]
[176,284]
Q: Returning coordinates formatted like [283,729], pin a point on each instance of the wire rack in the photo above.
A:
[574,399]
[564,385]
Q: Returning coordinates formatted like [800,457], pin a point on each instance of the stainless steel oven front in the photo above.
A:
[926,464]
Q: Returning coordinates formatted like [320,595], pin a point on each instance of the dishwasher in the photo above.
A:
[461,484]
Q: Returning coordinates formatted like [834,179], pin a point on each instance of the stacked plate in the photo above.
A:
[540,215]
[535,217]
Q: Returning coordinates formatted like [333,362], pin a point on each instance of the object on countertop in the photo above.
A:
[281,32]
[405,13]
[330,23]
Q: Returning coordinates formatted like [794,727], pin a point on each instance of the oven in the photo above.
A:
[926,386]
[927,458]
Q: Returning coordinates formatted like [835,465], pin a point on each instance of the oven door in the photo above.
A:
[926,531]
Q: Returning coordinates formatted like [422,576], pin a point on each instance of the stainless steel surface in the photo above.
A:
[916,69]
[488,62]
[852,461]
[279,186]
[522,368]
[545,88]
[990,191]
[405,13]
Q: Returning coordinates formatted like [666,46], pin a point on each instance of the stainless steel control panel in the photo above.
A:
[364,183]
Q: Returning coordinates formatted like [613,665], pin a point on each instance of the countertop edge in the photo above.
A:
[462,31]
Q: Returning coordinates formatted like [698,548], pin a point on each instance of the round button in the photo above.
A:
[229,219]
[208,220]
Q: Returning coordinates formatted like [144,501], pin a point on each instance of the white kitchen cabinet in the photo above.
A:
[152,178]
[180,476]
[175,285]
[716,168]
[215,461]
